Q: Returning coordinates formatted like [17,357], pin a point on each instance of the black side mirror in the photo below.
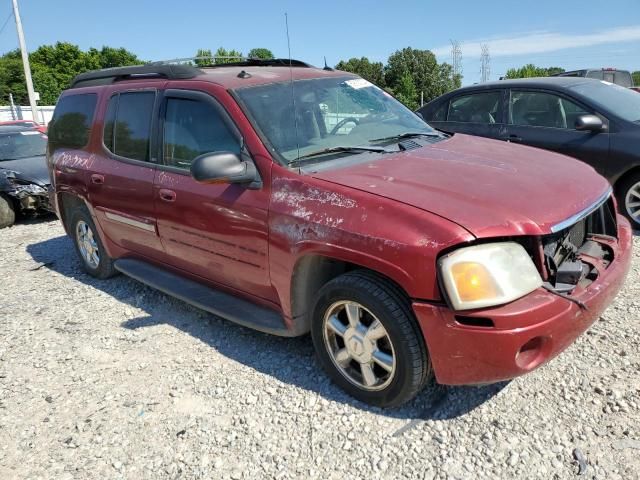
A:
[223,167]
[589,123]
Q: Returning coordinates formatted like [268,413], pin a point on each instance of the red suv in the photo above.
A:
[292,199]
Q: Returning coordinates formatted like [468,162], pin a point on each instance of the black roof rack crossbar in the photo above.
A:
[110,75]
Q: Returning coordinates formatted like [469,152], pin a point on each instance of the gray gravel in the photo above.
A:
[111,379]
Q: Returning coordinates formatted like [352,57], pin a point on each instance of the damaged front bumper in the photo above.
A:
[495,344]
[29,197]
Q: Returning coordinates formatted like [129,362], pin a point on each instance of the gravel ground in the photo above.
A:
[111,379]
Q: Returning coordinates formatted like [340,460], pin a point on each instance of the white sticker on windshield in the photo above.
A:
[30,132]
[358,83]
[605,82]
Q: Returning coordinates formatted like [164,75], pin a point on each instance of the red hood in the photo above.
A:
[489,187]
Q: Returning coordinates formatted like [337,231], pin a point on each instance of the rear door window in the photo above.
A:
[70,126]
[127,127]
[482,107]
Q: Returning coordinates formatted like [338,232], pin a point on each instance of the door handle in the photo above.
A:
[167,195]
[97,179]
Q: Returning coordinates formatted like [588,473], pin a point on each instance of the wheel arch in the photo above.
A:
[314,269]
[626,180]
[626,175]
[67,202]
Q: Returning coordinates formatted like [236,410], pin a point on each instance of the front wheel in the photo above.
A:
[368,340]
[629,199]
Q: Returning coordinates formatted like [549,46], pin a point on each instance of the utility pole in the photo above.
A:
[25,63]
[485,63]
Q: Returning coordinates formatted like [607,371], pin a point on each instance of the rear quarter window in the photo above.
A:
[70,126]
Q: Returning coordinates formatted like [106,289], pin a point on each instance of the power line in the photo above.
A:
[6,22]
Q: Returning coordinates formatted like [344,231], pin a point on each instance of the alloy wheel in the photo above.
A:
[359,345]
[87,244]
[632,202]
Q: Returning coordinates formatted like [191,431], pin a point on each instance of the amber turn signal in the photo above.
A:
[474,282]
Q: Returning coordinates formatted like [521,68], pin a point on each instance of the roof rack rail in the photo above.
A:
[107,76]
[239,62]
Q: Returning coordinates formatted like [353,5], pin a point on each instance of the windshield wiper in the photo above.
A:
[340,149]
[407,135]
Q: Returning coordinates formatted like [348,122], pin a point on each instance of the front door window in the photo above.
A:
[541,109]
[192,128]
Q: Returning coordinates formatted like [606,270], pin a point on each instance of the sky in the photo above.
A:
[565,33]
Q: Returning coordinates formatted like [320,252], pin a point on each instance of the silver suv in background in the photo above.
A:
[612,75]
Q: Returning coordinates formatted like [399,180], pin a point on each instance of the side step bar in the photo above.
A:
[213,301]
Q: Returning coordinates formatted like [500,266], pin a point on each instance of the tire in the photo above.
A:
[354,359]
[628,193]
[7,212]
[82,227]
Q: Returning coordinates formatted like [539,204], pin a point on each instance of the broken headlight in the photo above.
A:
[488,275]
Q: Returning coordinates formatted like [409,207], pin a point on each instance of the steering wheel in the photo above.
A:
[342,123]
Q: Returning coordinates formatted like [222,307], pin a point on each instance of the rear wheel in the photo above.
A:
[89,248]
[368,340]
[629,199]
[7,212]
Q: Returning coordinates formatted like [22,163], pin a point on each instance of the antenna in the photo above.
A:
[327,67]
[293,98]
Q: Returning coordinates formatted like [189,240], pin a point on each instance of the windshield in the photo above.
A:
[22,145]
[623,102]
[330,112]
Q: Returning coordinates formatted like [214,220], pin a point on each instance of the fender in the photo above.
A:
[357,257]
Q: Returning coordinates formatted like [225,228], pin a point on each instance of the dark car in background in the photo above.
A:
[24,178]
[592,120]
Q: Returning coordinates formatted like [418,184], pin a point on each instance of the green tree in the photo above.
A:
[12,78]
[555,70]
[372,71]
[108,57]
[207,57]
[232,56]
[636,78]
[53,67]
[45,83]
[429,78]
[262,53]
[406,92]
[531,70]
